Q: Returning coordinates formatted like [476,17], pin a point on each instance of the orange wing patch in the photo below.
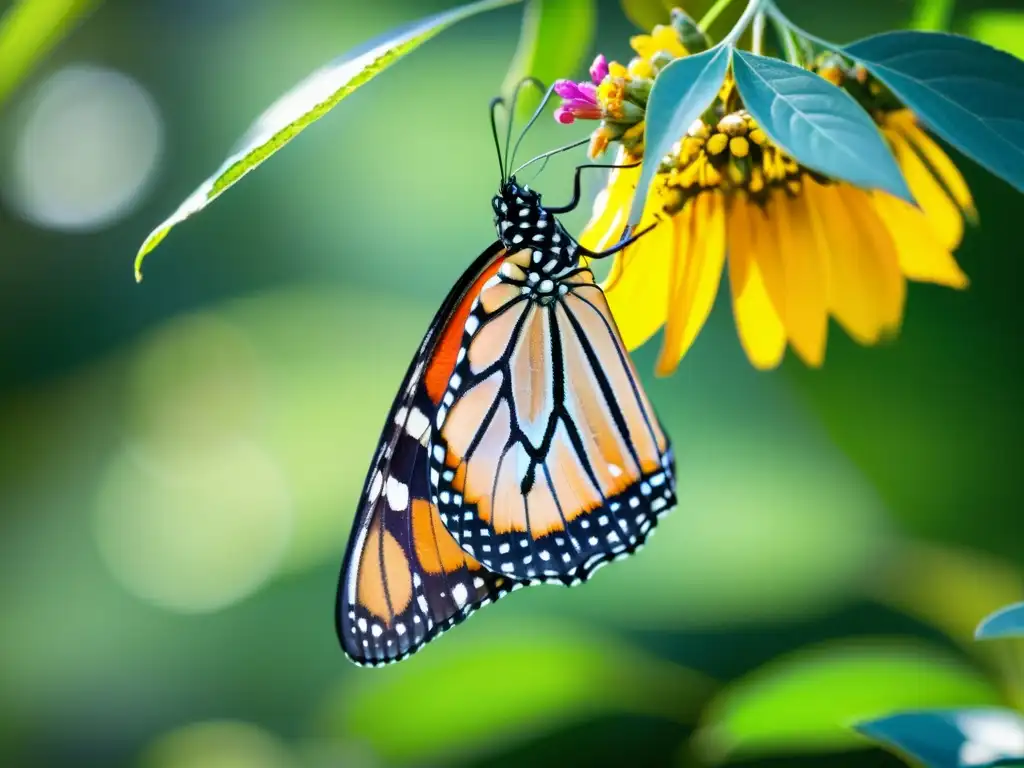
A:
[446,354]
[435,547]
[385,581]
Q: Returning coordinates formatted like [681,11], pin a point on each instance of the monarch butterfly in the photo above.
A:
[520,448]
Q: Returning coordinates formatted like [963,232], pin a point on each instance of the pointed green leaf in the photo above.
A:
[1000,29]
[681,93]
[29,30]
[820,125]
[809,700]
[952,738]
[1006,622]
[307,102]
[968,93]
[555,39]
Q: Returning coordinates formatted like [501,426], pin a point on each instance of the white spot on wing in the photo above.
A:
[398,494]
[460,595]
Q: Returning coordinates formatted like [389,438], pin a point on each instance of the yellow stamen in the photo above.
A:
[717,143]
[739,146]
[758,137]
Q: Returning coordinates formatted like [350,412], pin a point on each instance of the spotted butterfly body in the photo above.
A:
[520,448]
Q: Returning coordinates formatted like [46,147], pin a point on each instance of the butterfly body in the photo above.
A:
[520,449]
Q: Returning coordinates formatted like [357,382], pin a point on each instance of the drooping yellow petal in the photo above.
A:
[611,207]
[944,217]
[638,291]
[696,275]
[943,167]
[922,257]
[876,240]
[760,329]
[865,285]
[805,280]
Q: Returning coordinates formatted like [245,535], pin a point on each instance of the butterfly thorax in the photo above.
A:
[524,224]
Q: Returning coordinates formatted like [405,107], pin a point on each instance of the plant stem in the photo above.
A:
[753,6]
[713,13]
[786,35]
[757,34]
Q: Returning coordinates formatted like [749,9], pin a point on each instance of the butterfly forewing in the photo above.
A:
[405,579]
[547,459]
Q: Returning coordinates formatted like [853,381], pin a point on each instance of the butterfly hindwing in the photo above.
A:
[547,459]
[404,579]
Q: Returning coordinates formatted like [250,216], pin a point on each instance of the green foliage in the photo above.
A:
[820,125]
[808,701]
[306,103]
[29,30]
[681,93]
[1007,622]
[495,678]
[952,738]
[932,15]
[1000,29]
[646,13]
[556,37]
[970,94]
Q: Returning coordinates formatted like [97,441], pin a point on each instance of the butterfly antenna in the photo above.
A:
[533,119]
[512,109]
[565,148]
[495,103]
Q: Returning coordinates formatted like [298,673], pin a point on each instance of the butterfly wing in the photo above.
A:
[404,580]
[547,459]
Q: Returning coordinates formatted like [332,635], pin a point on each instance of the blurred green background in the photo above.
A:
[180,459]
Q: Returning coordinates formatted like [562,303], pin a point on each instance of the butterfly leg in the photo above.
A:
[576,186]
[624,243]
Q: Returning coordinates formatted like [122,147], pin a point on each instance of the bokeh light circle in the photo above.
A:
[193,530]
[85,150]
[219,744]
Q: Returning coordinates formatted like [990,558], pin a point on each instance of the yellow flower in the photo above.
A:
[662,39]
[799,246]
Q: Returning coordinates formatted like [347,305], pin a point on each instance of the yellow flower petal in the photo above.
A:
[637,291]
[804,282]
[611,207]
[696,275]
[943,215]
[865,287]
[891,288]
[944,168]
[760,329]
[922,257]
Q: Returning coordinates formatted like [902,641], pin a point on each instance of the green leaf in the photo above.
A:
[820,125]
[952,738]
[307,102]
[1000,29]
[681,93]
[808,701]
[556,37]
[497,679]
[932,15]
[1006,622]
[968,93]
[29,30]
